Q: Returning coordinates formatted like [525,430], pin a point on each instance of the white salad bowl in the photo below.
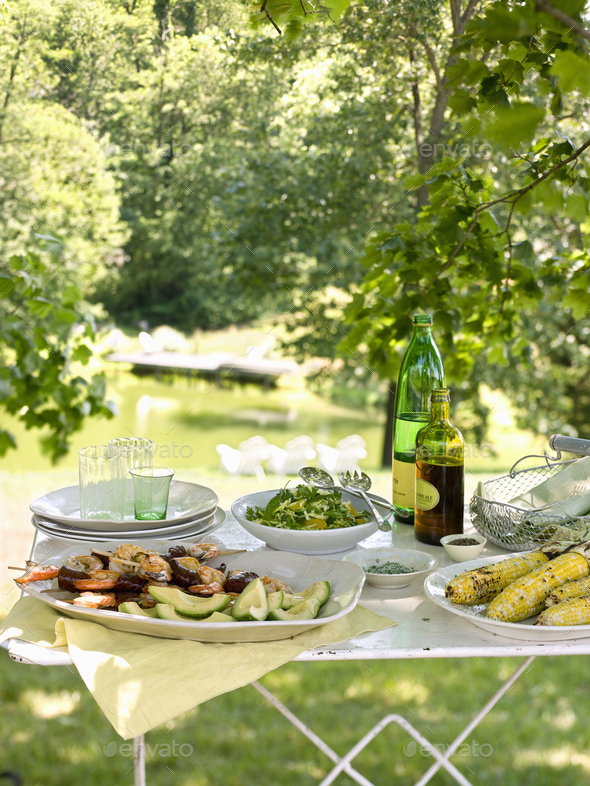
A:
[330,541]
[420,563]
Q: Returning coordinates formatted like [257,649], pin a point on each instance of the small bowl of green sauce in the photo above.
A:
[391,568]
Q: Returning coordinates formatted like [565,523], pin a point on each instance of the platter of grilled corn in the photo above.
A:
[542,595]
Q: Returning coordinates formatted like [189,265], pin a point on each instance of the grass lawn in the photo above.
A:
[52,732]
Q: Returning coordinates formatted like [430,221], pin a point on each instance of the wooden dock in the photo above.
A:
[218,364]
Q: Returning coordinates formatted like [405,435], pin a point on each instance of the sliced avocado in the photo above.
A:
[251,605]
[218,616]
[227,612]
[320,591]
[275,600]
[131,607]
[291,600]
[307,610]
[166,611]
[197,608]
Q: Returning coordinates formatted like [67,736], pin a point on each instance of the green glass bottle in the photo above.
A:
[440,474]
[421,371]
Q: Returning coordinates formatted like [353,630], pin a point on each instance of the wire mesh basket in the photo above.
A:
[514,528]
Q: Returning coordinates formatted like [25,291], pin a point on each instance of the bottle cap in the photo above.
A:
[422,319]
[440,396]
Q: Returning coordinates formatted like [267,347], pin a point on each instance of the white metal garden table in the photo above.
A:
[424,630]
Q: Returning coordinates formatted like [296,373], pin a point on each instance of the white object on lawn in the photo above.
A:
[247,459]
[345,456]
[149,344]
[296,455]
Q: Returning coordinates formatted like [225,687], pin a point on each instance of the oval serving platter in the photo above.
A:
[297,570]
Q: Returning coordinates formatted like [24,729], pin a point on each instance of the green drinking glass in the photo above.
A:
[151,487]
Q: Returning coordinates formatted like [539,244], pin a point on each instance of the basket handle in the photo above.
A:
[569,444]
[545,455]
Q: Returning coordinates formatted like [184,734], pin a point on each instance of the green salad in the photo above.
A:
[306,507]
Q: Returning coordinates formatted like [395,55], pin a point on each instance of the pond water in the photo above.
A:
[187,419]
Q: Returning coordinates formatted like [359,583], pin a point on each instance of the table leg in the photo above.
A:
[477,719]
[442,760]
[317,741]
[139,761]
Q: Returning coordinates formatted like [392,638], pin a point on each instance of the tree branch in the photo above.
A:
[432,59]
[468,13]
[561,16]
[456,17]
[512,197]
[264,10]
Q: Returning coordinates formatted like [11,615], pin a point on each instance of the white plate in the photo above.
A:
[69,529]
[187,530]
[333,541]
[346,582]
[435,584]
[420,561]
[187,502]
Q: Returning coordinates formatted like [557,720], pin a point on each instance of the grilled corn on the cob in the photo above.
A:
[571,589]
[483,584]
[526,596]
[574,611]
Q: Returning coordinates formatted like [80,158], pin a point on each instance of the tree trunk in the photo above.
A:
[386,454]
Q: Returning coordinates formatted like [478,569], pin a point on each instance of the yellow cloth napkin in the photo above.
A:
[141,681]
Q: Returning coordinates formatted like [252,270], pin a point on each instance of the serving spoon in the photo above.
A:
[323,480]
[362,483]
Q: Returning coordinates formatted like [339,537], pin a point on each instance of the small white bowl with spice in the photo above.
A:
[392,568]
[463,548]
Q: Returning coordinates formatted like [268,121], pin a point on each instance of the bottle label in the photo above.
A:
[427,496]
[404,481]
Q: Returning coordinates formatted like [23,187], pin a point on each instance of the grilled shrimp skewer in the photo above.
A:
[36,572]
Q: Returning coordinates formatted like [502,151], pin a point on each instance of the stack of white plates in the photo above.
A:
[192,511]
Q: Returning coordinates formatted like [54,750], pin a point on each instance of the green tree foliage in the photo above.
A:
[479,254]
[497,246]
[43,343]
[53,176]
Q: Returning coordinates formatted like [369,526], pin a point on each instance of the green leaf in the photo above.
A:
[579,302]
[7,441]
[524,252]
[573,71]
[39,307]
[576,207]
[515,124]
[462,102]
[82,354]
[6,285]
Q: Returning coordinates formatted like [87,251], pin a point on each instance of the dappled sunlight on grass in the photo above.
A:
[566,756]
[238,738]
[50,705]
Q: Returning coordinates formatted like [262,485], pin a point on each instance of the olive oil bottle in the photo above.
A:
[440,474]
[420,372]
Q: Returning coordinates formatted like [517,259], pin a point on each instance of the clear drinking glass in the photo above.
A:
[101,483]
[134,452]
[151,487]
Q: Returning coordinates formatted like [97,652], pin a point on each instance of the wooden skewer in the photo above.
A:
[231,551]
[125,561]
[13,567]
